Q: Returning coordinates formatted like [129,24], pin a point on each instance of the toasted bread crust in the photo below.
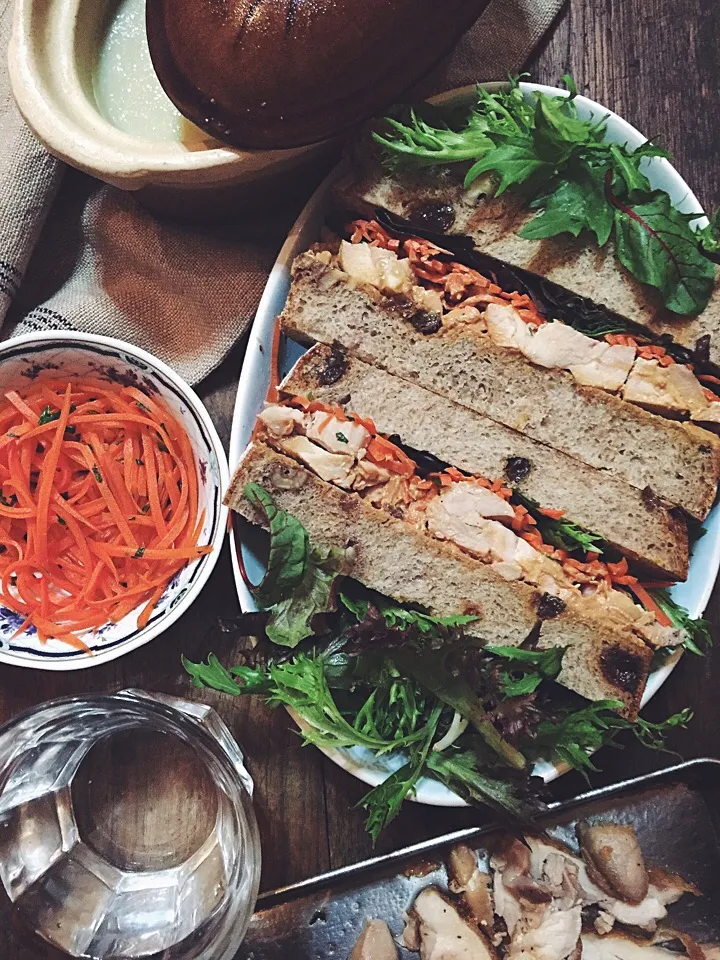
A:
[596,661]
[642,528]
[679,462]
[396,559]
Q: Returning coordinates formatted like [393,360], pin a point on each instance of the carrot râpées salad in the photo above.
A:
[98,505]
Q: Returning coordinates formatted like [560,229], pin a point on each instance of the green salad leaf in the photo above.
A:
[423,143]
[561,533]
[656,243]
[300,578]
[534,666]
[383,802]
[698,638]
[459,770]
[211,676]
[289,549]
[709,237]
[652,735]
[572,738]
[579,182]
[427,668]
[572,206]
[402,618]
[513,164]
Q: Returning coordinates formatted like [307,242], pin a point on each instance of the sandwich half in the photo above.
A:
[635,524]
[454,543]
[410,308]
[435,197]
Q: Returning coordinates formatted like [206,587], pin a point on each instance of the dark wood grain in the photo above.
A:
[658,64]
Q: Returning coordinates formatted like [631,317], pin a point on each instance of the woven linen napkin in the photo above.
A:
[79,255]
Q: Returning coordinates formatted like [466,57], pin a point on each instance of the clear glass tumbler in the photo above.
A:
[127,829]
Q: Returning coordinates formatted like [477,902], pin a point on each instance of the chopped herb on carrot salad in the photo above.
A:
[98,505]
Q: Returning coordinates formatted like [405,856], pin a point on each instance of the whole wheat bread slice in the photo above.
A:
[641,527]
[493,223]
[394,558]
[679,462]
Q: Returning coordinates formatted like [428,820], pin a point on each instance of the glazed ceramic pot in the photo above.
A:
[53,58]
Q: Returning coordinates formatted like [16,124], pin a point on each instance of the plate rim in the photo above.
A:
[275,292]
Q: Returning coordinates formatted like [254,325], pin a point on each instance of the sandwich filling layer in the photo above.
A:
[450,295]
[479,516]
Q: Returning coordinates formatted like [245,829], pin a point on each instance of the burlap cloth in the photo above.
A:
[78,255]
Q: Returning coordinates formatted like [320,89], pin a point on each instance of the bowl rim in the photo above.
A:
[206,563]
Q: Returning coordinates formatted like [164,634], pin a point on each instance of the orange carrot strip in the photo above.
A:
[553,514]
[152,487]
[47,477]
[106,493]
[650,604]
[149,607]
[17,401]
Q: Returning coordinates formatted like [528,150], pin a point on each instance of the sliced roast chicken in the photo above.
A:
[540,885]
[538,900]
[375,943]
[439,932]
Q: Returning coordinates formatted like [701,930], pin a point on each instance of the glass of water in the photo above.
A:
[127,829]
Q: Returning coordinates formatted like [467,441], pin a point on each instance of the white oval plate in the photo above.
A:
[252,390]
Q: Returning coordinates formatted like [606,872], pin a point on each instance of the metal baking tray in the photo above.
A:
[676,813]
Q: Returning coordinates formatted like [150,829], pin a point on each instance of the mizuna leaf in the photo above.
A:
[558,129]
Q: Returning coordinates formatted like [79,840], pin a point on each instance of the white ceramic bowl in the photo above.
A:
[61,354]
[52,56]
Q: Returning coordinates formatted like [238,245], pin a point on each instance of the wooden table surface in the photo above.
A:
[655,62]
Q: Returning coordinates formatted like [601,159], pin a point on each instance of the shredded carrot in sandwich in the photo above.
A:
[371,232]
[552,514]
[648,351]
[383,453]
[647,601]
[523,521]
[98,505]
[458,284]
